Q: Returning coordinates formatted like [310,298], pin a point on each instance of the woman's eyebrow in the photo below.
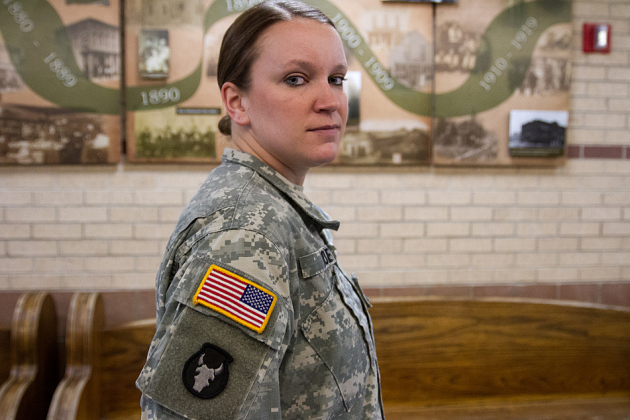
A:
[308,65]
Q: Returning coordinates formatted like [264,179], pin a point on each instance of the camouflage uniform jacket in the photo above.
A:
[306,350]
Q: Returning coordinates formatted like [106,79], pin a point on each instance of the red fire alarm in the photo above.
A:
[596,38]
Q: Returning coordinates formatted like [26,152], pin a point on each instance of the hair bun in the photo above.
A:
[225,125]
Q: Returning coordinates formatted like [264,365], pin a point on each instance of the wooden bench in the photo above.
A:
[27,392]
[502,359]
[102,364]
[439,359]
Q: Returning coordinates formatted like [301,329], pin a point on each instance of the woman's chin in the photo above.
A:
[326,154]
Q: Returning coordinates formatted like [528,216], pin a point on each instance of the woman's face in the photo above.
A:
[296,106]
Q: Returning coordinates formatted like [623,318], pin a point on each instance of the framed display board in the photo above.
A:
[173,101]
[173,111]
[493,57]
[60,66]
[390,55]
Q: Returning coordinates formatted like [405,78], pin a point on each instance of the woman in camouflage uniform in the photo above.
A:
[255,318]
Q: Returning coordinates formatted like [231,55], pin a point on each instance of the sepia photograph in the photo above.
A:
[164,13]
[99,2]
[10,80]
[32,135]
[169,134]
[387,143]
[464,140]
[550,70]
[391,48]
[422,1]
[456,48]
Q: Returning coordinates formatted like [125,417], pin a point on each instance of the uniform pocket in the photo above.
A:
[334,333]
[354,298]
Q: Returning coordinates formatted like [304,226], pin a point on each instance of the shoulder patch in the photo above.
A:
[206,372]
[235,297]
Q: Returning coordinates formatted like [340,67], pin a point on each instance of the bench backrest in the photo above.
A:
[444,351]
[7,308]
[5,352]
[26,394]
[101,364]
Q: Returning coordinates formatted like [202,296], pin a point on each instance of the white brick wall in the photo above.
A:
[106,227]
[600,105]
[109,228]
[531,230]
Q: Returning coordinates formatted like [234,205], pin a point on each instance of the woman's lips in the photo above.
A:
[326,129]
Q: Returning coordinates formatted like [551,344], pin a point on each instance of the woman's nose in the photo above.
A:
[328,98]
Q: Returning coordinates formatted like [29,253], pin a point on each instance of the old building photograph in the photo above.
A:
[96,47]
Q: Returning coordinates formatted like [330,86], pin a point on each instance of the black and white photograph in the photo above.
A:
[538,133]
[154,54]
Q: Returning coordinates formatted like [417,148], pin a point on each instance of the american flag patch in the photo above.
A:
[235,297]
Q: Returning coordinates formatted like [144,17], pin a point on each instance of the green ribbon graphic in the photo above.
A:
[39,48]
[499,58]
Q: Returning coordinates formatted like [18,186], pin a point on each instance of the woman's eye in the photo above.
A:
[337,80]
[295,81]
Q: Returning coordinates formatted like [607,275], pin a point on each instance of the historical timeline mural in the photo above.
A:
[427,82]
[172,109]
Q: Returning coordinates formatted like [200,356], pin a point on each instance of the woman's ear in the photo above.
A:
[233,99]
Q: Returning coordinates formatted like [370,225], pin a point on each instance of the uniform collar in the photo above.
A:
[291,190]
